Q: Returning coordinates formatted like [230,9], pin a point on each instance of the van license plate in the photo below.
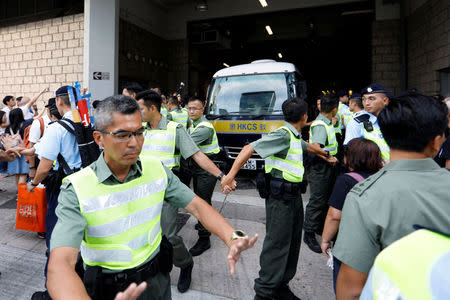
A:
[250,165]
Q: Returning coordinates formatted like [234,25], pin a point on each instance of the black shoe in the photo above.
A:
[285,293]
[201,246]
[310,240]
[184,281]
[41,296]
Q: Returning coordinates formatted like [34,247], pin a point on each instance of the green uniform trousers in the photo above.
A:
[181,256]
[158,288]
[321,178]
[203,185]
[281,247]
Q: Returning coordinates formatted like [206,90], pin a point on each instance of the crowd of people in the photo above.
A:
[112,221]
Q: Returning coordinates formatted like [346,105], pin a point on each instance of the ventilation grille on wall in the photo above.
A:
[211,37]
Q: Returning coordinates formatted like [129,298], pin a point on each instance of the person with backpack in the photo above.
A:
[362,158]
[36,131]
[60,145]
[16,130]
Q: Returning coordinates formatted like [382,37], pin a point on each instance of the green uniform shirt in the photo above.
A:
[69,230]
[202,133]
[183,142]
[319,133]
[384,208]
[276,143]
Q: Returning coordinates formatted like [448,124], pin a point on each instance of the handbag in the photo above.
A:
[31,209]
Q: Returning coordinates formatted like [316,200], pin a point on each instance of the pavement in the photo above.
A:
[22,254]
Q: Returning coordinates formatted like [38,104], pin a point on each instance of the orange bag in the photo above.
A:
[31,209]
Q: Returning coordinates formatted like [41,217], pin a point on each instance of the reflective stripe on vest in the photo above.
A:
[213,147]
[160,143]
[377,137]
[180,117]
[122,220]
[344,110]
[163,112]
[332,145]
[292,166]
[414,267]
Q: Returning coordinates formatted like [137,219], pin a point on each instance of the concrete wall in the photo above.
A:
[41,54]
[386,64]
[428,34]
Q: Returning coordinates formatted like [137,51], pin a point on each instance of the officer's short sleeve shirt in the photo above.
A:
[183,142]
[69,230]
[319,132]
[58,140]
[384,208]
[355,129]
[276,142]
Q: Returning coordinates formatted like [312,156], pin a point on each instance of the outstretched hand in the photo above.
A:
[235,249]
[132,292]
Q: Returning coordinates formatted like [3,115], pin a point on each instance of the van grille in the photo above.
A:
[232,153]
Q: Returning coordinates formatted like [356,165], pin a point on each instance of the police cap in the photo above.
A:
[341,93]
[355,96]
[62,91]
[51,103]
[376,88]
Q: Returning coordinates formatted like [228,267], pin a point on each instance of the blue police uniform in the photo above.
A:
[355,128]
[57,140]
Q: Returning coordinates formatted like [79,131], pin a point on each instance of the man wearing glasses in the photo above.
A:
[204,135]
[111,211]
[56,142]
[169,141]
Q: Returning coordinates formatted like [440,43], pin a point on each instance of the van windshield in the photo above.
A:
[249,94]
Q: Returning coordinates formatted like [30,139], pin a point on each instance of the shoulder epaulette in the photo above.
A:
[362,118]
[362,186]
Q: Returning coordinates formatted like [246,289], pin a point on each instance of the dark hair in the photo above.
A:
[2,113]
[358,102]
[133,87]
[328,103]
[16,119]
[7,98]
[203,102]
[294,109]
[412,120]
[363,155]
[54,112]
[95,103]
[105,108]
[150,98]
[173,100]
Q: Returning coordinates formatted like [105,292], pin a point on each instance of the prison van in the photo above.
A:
[244,103]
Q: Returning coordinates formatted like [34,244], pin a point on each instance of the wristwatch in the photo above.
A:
[33,184]
[220,176]
[237,234]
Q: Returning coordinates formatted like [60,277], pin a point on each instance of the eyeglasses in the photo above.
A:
[125,136]
[193,108]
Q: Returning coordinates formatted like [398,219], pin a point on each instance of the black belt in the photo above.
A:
[287,186]
[137,275]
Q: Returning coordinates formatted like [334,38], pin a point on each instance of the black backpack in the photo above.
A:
[89,150]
